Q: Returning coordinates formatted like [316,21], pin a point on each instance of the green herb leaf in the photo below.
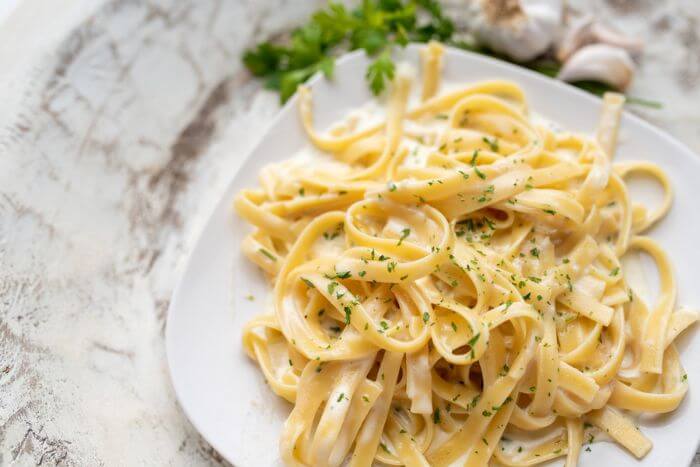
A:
[436,416]
[404,234]
[374,26]
[268,254]
[379,72]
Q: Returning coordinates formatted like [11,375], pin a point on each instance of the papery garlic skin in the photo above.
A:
[599,62]
[586,31]
[520,29]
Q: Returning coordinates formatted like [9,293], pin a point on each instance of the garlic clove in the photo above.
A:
[599,62]
[520,29]
[587,31]
[606,35]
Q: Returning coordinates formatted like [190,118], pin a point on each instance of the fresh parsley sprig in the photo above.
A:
[374,27]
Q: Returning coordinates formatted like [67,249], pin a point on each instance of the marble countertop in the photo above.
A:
[122,123]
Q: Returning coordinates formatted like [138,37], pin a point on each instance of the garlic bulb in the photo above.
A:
[599,62]
[521,29]
[588,31]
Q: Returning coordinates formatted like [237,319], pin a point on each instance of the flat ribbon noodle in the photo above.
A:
[447,284]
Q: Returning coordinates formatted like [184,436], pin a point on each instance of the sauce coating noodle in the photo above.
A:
[448,288]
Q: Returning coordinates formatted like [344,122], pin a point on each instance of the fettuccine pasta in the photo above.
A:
[448,288]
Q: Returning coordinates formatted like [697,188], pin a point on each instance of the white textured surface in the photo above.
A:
[115,143]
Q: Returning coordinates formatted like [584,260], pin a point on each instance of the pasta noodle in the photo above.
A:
[448,287]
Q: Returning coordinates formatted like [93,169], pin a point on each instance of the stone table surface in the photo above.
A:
[121,124]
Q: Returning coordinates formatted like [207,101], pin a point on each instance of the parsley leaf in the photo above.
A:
[380,71]
[374,26]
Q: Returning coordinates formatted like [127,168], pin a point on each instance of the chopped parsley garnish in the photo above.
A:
[268,254]
[474,339]
[335,233]
[404,234]
[493,144]
[331,287]
[475,154]
[340,275]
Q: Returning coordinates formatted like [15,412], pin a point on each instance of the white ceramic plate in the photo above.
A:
[222,391]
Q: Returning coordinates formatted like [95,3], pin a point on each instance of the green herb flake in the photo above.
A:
[492,143]
[404,235]
[268,254]
[331,287]
[380,72]
[436,416]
